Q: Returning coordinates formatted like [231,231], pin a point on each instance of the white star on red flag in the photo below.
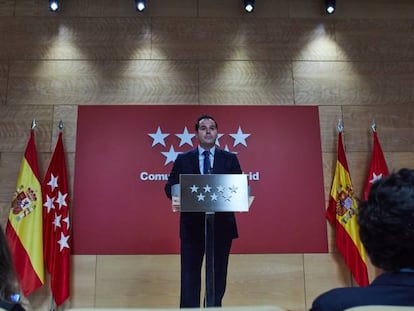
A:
[375,177]
[49,203]
[63,242]
[53,183]
[61,199]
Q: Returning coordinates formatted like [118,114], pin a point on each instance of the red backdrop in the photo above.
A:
[121,160]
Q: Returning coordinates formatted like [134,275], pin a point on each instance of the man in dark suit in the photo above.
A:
[386,227]
[192,224]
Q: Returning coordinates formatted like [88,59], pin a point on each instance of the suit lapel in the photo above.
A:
[218,166]
[195,164]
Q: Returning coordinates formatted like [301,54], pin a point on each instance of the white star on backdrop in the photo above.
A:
[171,155]
[218,139]
[53,183]
[239,137]
[158,137]
[185,137]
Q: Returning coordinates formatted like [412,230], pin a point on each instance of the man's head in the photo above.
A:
[206,131]
[386,221]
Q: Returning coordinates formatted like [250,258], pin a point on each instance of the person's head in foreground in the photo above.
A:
[386,227]
[386,222]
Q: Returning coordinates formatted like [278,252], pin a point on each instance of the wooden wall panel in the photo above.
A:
[351,83]
[329,163]
[275,281]
[244,82]
[395,126]
[69,117]
[78,38]
[4,212]
[375,40]
[399,160]
[106,82]
[315,83]
[137,281]
[182,8]
[328,119]
[322,272]
[9,169]
[381,9]
[16,123]
[7,7]
[3,83]
[243,39]
[83,274]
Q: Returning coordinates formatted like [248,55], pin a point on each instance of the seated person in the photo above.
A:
[386,227]
[9,288]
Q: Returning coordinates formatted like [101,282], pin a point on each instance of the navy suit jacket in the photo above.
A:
[395,289]
[192,223]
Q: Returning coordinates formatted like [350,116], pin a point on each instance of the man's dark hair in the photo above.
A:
[386,221]
[202,117]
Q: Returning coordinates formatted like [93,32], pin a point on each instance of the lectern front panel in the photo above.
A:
[214,193]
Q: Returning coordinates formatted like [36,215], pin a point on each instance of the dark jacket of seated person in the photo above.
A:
[386,227]
[11,306]
[9,286]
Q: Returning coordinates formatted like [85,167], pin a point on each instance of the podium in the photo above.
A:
[211,193]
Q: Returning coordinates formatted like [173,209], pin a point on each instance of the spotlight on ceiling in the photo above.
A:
[54,5]
[140,5]
[330,6]
[249,5]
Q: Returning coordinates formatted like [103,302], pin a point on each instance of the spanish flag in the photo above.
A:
[24,229]
[341,213]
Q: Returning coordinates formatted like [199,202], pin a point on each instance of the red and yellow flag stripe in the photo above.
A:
[342,213]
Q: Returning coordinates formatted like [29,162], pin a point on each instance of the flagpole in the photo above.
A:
[340,126]
[373,126]
[60,125]
[52,304]
[340,129]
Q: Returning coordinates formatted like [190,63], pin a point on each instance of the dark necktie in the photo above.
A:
[207,165]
